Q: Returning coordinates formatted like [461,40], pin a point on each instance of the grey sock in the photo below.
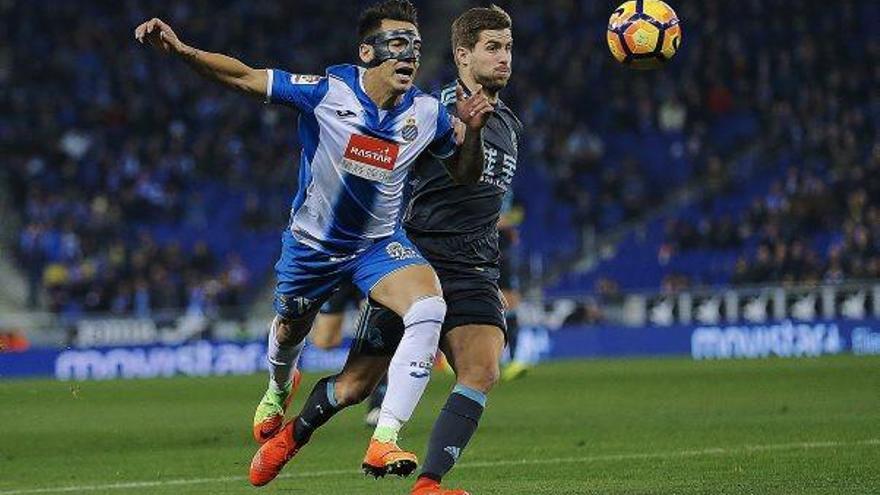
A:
[453,429]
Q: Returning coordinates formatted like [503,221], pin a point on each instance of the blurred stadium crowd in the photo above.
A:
[140,187]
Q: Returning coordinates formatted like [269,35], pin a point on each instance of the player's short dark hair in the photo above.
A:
[467,28]
[395,10]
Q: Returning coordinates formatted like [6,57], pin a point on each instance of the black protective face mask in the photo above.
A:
[381,42]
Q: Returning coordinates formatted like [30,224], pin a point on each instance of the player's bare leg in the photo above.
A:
[327,333]
[331,394]
[285,343]
[413,293]
[474,352]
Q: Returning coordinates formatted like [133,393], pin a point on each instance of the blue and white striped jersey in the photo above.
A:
[355,156]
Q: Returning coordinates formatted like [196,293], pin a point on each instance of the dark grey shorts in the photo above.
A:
[470,300]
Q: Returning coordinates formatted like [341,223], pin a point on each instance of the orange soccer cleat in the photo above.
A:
[271,409]
[387,458]
[427,486]
[273,455]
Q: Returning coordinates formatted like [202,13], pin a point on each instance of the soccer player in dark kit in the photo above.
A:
[455,226]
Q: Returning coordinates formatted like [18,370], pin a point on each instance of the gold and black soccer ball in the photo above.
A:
[644,34]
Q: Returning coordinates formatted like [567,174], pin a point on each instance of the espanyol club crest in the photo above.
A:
[399,252]
[410,130]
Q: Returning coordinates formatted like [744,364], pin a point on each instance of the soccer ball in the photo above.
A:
[644,34]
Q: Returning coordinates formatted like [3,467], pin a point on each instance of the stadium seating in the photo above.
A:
[793,194]
[132,161]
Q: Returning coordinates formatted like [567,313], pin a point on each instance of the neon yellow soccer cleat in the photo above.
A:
[270,411]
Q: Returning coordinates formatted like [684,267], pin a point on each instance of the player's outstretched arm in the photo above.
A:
[221,68]
[466,165]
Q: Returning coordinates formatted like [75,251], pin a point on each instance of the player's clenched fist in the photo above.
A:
[160,35]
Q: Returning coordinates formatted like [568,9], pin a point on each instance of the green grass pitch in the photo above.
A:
[652,426]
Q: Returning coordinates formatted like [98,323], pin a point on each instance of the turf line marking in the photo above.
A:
[521,462]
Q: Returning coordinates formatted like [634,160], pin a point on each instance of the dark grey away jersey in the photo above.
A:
[440,206]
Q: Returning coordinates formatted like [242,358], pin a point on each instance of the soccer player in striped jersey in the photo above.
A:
[361,128]
[455,226]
